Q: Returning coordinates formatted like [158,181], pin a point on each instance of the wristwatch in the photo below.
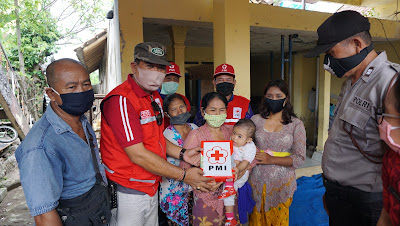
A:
[182,153]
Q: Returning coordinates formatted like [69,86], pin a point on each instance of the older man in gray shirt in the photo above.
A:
[353,153]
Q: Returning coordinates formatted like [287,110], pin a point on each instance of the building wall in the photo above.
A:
[304,80]
[385,46]
[304,70]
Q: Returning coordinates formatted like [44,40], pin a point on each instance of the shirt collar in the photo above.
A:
[231,98]
[162,95]
[59,125]
[370,71]
[136,88]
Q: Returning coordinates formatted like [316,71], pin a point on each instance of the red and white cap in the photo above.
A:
[173,69]
[224,69]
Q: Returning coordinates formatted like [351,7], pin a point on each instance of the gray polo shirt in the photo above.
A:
[342,161]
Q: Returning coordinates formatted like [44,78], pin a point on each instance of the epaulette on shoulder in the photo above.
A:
[395,66]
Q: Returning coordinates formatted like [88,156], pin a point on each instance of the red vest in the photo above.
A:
[237,109]
[119,167]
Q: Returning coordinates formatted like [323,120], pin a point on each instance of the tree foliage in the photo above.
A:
[43,23]
[87,15]
[39,35]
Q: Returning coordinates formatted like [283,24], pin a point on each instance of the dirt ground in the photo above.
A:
[13,209]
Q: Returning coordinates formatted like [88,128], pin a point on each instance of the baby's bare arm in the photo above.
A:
[243,165]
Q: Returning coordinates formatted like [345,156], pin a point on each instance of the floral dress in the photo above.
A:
[174,194]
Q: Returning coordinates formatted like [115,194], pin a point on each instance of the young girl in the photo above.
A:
[244,150]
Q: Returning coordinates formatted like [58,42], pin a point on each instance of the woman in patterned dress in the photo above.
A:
[281,137]
[207,209]
[175,197]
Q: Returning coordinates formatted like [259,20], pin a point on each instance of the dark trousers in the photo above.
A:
[351,206]
[162,218]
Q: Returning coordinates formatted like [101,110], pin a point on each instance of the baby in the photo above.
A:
[244,150]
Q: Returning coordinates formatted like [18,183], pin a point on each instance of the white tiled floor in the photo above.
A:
[309,163]
[310,167]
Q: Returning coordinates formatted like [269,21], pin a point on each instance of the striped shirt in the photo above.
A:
[124,121]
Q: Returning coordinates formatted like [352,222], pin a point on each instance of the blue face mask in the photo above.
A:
[76,103]
[169,88]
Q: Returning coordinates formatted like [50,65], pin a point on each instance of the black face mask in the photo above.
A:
[76,103]
[339,67]
[275,106]
[225,88]
[180,119]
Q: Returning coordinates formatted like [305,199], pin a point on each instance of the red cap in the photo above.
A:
[173,69]
[224,69]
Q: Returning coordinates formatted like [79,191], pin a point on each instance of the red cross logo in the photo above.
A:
[217,155]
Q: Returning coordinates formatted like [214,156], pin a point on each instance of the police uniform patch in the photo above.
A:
[361,104]
[369,71]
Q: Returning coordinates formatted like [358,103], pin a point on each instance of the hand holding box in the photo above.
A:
[216,159]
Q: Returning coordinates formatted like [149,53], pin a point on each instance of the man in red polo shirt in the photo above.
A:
[238,106]
[133,147]
[170,86]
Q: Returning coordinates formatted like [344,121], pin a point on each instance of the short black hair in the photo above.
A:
[168,100]
[205,101]
[364,35]
[250,126]
[51,69]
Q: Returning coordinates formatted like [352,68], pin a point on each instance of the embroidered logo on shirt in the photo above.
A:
[145,114]
[237,112]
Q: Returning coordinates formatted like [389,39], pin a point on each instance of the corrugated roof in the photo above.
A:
[91,52]
[366,11]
